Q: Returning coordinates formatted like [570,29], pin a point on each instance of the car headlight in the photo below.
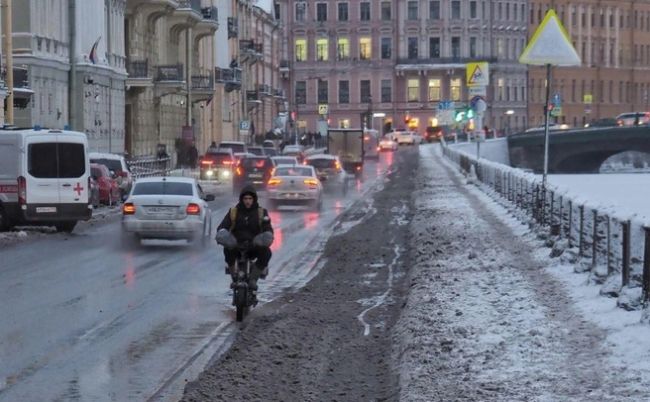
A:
[225,173]
[209,173]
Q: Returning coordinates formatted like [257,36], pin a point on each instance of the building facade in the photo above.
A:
[390,64]
[613,41]
[72,55]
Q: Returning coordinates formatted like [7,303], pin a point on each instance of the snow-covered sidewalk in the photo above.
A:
[490,318]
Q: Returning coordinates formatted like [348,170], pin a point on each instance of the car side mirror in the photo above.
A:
[209,197]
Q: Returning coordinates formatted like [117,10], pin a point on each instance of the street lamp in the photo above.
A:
[508,113]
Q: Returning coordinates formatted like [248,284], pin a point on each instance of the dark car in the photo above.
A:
[432,134]
[217,165]
[268,151]
[253,170]
[259,151]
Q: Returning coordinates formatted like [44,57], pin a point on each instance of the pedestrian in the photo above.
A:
[193,156]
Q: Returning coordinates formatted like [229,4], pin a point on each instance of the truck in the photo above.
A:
[347,144]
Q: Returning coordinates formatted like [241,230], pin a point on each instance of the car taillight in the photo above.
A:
[239,172]
[358,167]
[22,190]
[337,165]
[193,209]
[227,163]
[311,182]
[206,162]
[128,208]
[274,182]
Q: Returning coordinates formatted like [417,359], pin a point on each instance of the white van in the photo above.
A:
[44,178]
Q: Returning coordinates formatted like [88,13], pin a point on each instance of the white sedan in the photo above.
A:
[295,185]
[167,208]
[387,144]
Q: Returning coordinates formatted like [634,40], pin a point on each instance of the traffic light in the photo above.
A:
[460,116]
[470,113]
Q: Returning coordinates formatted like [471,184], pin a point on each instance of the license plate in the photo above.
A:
[45,210]
[255,175]
[161,210]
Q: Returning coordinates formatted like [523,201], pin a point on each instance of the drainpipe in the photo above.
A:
[188,75]
[8,46]
[72,87]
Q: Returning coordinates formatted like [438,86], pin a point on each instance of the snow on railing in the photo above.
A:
[614,248]
[147,166]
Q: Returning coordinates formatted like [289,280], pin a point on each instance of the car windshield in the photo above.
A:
[285,161]
[293,171]
[254,163]
[322,163]
[234,147]
[163,188]
[256,151]
[112,164]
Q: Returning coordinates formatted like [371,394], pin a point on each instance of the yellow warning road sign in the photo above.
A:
[550,44]
[477,74]
[323,109]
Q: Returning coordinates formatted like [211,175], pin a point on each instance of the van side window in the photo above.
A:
[42,160]
[71,160]
[51,160]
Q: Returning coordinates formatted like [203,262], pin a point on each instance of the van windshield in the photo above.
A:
[49,160]
[163,188]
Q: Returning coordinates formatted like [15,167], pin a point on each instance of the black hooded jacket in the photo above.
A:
[247,224]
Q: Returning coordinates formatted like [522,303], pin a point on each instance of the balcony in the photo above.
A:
[233,27]
[250,48]
[439,63]
[139,76]
[169,79]
[152,10]
[252,96]
[190,4]
[21,90]
[208,25]
[187,15]
[264,89]
[231,77]
[202,87]
[278,93]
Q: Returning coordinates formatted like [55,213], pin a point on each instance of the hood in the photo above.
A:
[248,190]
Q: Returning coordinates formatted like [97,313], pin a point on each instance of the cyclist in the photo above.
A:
[248,222]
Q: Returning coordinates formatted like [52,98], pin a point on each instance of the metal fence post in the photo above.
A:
[570,229]
[561,216]
[594,238]
[626,226]
[582,225]
[609,246]
[646,267]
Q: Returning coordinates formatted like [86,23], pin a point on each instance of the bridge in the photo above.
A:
[575,151]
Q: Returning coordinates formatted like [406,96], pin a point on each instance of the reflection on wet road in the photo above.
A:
[84,319]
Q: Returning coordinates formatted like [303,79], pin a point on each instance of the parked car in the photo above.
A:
[167,208]
[294,150]
[295,185]
[236,146]
[253,170]
[259,151]
[387,144]
[109,190]
[117,164]
[217,165]
[405,137]
[432,134]
[633,119]
[93,197]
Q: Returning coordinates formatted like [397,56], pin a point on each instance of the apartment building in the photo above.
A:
[391,63]
[69,67]
[612,38]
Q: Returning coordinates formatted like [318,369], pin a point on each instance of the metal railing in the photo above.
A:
[613,248]
[284,64]
[443,60]
[147,166]
[233,28]
[193,4]
[169,73]
[252,95]
[202,82]
[137,68]
[210,13]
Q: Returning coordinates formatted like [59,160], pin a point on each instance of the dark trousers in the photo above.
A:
[263,255]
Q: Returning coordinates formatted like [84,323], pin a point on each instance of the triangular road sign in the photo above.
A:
[476,76]
[550,45]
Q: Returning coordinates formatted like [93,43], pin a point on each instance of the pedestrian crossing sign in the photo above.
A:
[477,74]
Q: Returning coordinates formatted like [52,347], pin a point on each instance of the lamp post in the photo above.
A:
[508,113]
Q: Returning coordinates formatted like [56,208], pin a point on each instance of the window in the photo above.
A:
[364,11]
[301,92]
[386,11]
[413,90]
[301,49]
[455,89]
[386,91]
[472,9]
[344,123]
[455,47]
[500,88]
[343,11]
[276,10]
[455,9]
[322,91]
[364,89]
[343,49]
[434,89]
[344,91]
[365,50]
[321,11]
[51,160]
[472,46]
[412,48]
[322,47]
[434,10]
[386,48]
[434,48]
[163,188]
[412,11]
[301,8]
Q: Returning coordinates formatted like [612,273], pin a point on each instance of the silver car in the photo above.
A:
[167,208]
[295,185]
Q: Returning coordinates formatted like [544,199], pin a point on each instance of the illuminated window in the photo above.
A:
[322,47]
[434,89]
[455,86]
[343,48]
[365,50]
[301,49]
[500,88]
[413,90]
[344,123]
